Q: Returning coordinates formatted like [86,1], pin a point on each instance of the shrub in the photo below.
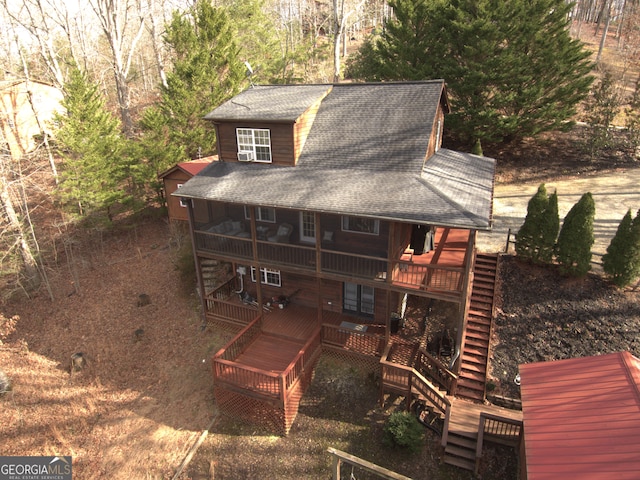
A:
[622,260]
[404,430]
[576,238]
[536,238]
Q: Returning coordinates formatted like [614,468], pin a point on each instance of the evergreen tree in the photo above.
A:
[549,230]
[511,67]
[576,238]
[622,260]
[536,238]
[96,164]
[207,71]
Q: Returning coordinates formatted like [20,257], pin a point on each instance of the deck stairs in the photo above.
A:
[475,344]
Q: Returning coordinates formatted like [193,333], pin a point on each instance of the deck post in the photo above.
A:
[199,279]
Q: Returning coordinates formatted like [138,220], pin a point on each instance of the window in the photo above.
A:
[267,277]
[361,225]
[183,202]
[263,214]
[254,144]
[359,299]
[308,227]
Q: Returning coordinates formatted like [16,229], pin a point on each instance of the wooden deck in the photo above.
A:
[465,416]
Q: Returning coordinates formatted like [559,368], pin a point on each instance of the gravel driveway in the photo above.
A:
[614,193]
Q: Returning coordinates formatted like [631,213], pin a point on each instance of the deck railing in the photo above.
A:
[226,245]
[305,358]
[444,280]
[348,339]
[405,380]
[435,370]
[218,305]
[494,428]
[237,345]
[285,254]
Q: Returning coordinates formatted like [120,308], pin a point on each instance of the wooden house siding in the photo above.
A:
[301,128]
[282,145]
[171,182]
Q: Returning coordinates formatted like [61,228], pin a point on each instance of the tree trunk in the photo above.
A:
[30,268]
[605,32]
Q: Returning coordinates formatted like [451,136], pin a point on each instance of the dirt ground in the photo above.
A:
[136,408]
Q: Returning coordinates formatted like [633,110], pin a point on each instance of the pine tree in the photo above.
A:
[511,67]
[96,164]
[622,260]
[207,71]
[576,238]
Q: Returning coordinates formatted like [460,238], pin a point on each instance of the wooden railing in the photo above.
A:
[284,254]
[218,305]
[226,245]
[405,380]
[494,428]
[352,340]
[362,266]
[305,358]
[339,457]
[271,384]
[436,371]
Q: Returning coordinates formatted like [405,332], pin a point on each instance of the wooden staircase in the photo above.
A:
[475,349]
[460,450]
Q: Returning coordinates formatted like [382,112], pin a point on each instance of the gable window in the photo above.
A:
[267,277]
[263,214]
[361,225]
[183,202]
[254,144]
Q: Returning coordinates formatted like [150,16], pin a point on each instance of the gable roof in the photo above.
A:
[192,167]
[269,103]
[364,155]
[582,417]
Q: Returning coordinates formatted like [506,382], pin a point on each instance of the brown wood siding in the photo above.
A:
[171,182]
[434,141]
[282,145]
[302,127]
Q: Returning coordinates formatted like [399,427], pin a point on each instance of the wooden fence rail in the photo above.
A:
[339,457]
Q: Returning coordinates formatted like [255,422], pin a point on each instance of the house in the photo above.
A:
[328,206]
[27,109]
[174,178]
[581,418]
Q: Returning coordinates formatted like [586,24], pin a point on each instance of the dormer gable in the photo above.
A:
[267,124]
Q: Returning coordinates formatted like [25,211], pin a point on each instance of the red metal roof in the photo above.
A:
[192,167]
[195,166]
[582,418]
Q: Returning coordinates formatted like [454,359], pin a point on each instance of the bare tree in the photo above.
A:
[340,18]
[122,22]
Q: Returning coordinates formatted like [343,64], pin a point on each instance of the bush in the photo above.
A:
[404,430]
[576,238]
[622,260]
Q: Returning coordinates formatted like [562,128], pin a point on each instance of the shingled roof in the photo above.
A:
[364,155]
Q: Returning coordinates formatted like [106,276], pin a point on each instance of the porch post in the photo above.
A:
[199,279]
[319,266]
[256,261]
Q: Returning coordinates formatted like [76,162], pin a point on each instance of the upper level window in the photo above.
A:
[361,225]
[254,145]
[263,214]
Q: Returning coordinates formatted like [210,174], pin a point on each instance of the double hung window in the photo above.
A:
[254,144]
